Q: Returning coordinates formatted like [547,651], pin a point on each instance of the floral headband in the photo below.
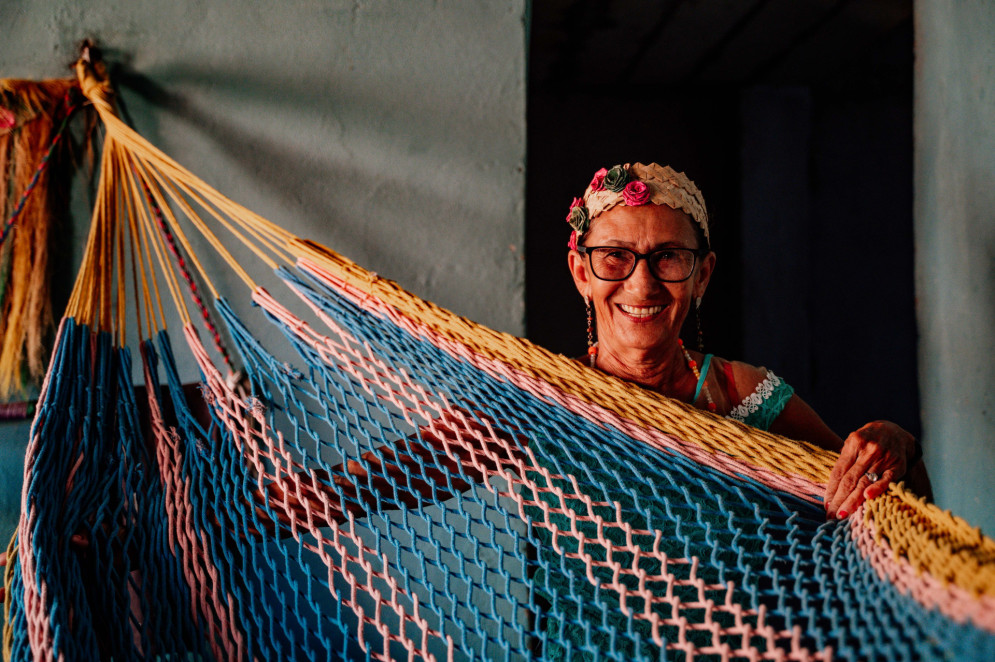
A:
[634,185]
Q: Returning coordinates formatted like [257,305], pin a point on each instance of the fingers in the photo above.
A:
[857,496]
[840,469]
[878,488]
[846,473]
[854,481]
[879,447]
[855,488]
[848,455]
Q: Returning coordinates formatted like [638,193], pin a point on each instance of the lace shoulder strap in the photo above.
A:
[760,408]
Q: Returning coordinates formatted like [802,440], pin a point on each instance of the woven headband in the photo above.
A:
[634,185]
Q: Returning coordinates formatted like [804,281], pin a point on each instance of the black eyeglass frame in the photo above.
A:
[695,254]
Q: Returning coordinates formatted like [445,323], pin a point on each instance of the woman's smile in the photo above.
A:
[640,313]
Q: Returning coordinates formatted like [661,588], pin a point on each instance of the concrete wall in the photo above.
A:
[393,132]
[955,250]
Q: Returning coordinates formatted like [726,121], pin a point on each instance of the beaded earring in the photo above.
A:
[697,321]
[693,365]
[592,346]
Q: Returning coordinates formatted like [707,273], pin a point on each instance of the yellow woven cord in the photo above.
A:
[137,222]
[934,541]
[166,178]
[99,294]
[8,582]
[132,180]
[86,288]
[929,537]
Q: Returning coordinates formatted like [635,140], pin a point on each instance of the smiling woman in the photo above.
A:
[640,256]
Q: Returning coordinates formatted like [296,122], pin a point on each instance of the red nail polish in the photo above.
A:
[842,514]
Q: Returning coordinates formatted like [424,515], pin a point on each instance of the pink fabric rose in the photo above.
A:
[572,244]
[635,193]
[7,119]
[598,183]
[578,202]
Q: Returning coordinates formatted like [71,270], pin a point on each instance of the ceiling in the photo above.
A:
[613,43]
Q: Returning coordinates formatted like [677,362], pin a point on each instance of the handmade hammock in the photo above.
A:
[396,482]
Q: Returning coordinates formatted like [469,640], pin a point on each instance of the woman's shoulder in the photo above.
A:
[756,395]
[742,380]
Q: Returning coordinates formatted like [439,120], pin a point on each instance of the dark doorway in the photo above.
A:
[794,117]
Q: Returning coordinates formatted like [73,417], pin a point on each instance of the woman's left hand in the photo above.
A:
[880,449]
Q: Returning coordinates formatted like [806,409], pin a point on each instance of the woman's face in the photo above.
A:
[641,313]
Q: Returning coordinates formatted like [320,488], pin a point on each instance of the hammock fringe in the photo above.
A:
[34,194]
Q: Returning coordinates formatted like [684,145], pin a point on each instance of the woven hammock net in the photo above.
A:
[411,485]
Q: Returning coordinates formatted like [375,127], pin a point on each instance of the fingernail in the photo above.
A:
[842,514]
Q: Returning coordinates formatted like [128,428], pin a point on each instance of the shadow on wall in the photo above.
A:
[318,187]
[392,187]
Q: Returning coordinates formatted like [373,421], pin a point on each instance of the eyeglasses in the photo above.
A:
[670,265]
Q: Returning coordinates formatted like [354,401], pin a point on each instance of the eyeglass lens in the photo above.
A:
[667,264]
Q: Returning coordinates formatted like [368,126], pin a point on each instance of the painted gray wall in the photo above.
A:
[955,255]
[391,131]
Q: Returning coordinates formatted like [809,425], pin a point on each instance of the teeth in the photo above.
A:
[640,311]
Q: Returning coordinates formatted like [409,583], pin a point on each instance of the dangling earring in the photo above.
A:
[697,321]
[592,346]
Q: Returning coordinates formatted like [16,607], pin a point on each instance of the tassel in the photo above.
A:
[33,200]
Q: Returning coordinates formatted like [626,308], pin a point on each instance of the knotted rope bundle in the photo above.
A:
[413,485]
[34,196]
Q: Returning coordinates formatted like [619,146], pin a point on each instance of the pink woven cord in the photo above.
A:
[206,603]
[359,361]
[929,591]
[181,263]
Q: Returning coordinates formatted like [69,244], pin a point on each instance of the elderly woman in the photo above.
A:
[641,258]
